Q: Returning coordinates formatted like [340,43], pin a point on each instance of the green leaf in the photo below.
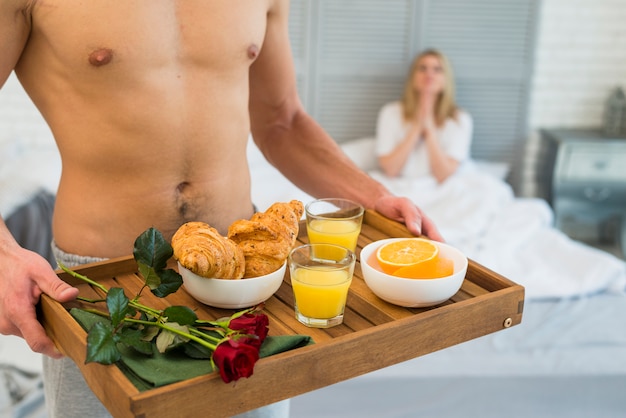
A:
[133,338]
[150,275]
[195,350]
[101,345]
[170,283]
[164,340]
[148,333]
[117,303]
[152,253]
[167,340]
[182,315]
[152,249]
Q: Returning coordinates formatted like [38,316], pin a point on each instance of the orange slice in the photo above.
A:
[406,252]
[432,269]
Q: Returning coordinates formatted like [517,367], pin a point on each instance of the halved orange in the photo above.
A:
[406,252]
[432,269]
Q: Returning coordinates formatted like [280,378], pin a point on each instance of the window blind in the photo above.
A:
[352,57]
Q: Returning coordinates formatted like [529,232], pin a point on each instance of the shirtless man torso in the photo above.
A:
[148,103]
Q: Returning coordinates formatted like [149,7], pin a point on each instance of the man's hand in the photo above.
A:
[402,209]
[24,276]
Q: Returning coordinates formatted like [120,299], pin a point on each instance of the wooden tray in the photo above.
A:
[375,334]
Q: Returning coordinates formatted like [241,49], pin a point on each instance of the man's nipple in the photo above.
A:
[253,51]
[101,56]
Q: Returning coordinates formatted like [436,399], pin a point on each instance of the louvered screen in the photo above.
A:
[490,44]
[352,57]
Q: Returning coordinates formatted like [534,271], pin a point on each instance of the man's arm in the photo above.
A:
[14,30]
[298,146]
[24,275]
[290,139]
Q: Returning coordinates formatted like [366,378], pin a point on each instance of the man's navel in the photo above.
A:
[100,57]
[184,202]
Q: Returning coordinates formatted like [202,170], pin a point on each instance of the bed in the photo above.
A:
[566,359]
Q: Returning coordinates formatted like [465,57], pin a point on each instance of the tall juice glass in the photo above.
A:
[334,221]
[320,285]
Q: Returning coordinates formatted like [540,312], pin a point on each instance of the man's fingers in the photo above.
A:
[430,230]
[35,335]
[32,331]
[404,210]
[423,225]
[56,288]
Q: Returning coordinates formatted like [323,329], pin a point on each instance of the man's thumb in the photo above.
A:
[58,289]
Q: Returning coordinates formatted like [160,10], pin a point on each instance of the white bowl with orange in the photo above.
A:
[413,272]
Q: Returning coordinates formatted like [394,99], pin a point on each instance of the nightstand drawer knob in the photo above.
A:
[597,195]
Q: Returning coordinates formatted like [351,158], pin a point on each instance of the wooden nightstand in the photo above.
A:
[583,176]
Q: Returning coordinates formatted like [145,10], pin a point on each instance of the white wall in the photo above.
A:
[20,122]
[580,57]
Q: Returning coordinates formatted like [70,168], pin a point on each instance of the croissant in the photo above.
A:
[267,237]
[203,250]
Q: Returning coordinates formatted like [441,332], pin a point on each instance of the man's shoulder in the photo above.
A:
[23,7]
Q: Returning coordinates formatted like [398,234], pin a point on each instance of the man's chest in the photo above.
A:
[132,35]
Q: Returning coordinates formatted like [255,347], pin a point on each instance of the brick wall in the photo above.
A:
[580,57]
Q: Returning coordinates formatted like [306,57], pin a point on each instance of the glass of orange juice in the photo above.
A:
[334,221]
[320,284]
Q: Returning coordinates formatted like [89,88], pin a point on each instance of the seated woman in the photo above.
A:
[425,133]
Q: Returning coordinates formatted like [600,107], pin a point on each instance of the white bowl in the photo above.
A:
[413,293]
[232,294]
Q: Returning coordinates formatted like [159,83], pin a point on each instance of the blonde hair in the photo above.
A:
[446,106]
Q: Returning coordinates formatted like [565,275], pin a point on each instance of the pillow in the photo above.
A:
[362,151]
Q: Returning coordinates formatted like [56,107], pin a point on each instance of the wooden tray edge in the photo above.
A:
[70,339]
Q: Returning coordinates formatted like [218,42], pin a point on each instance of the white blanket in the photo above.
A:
[477,212]
[515,237]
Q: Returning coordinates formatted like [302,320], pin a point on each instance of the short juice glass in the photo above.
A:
[320,285]
[334,221]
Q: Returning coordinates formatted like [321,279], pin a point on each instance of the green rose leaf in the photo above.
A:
[167,340]
[117,303]
[134,338]
[149,333]
[152,249]
[182,315]
[150,275]
[194,350]
[170,282]
[152,252]
[101,344]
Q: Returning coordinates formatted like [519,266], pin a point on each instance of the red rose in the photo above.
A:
[252,324]
[235,359]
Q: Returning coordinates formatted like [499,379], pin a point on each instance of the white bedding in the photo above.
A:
[515,237]
[477,212]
